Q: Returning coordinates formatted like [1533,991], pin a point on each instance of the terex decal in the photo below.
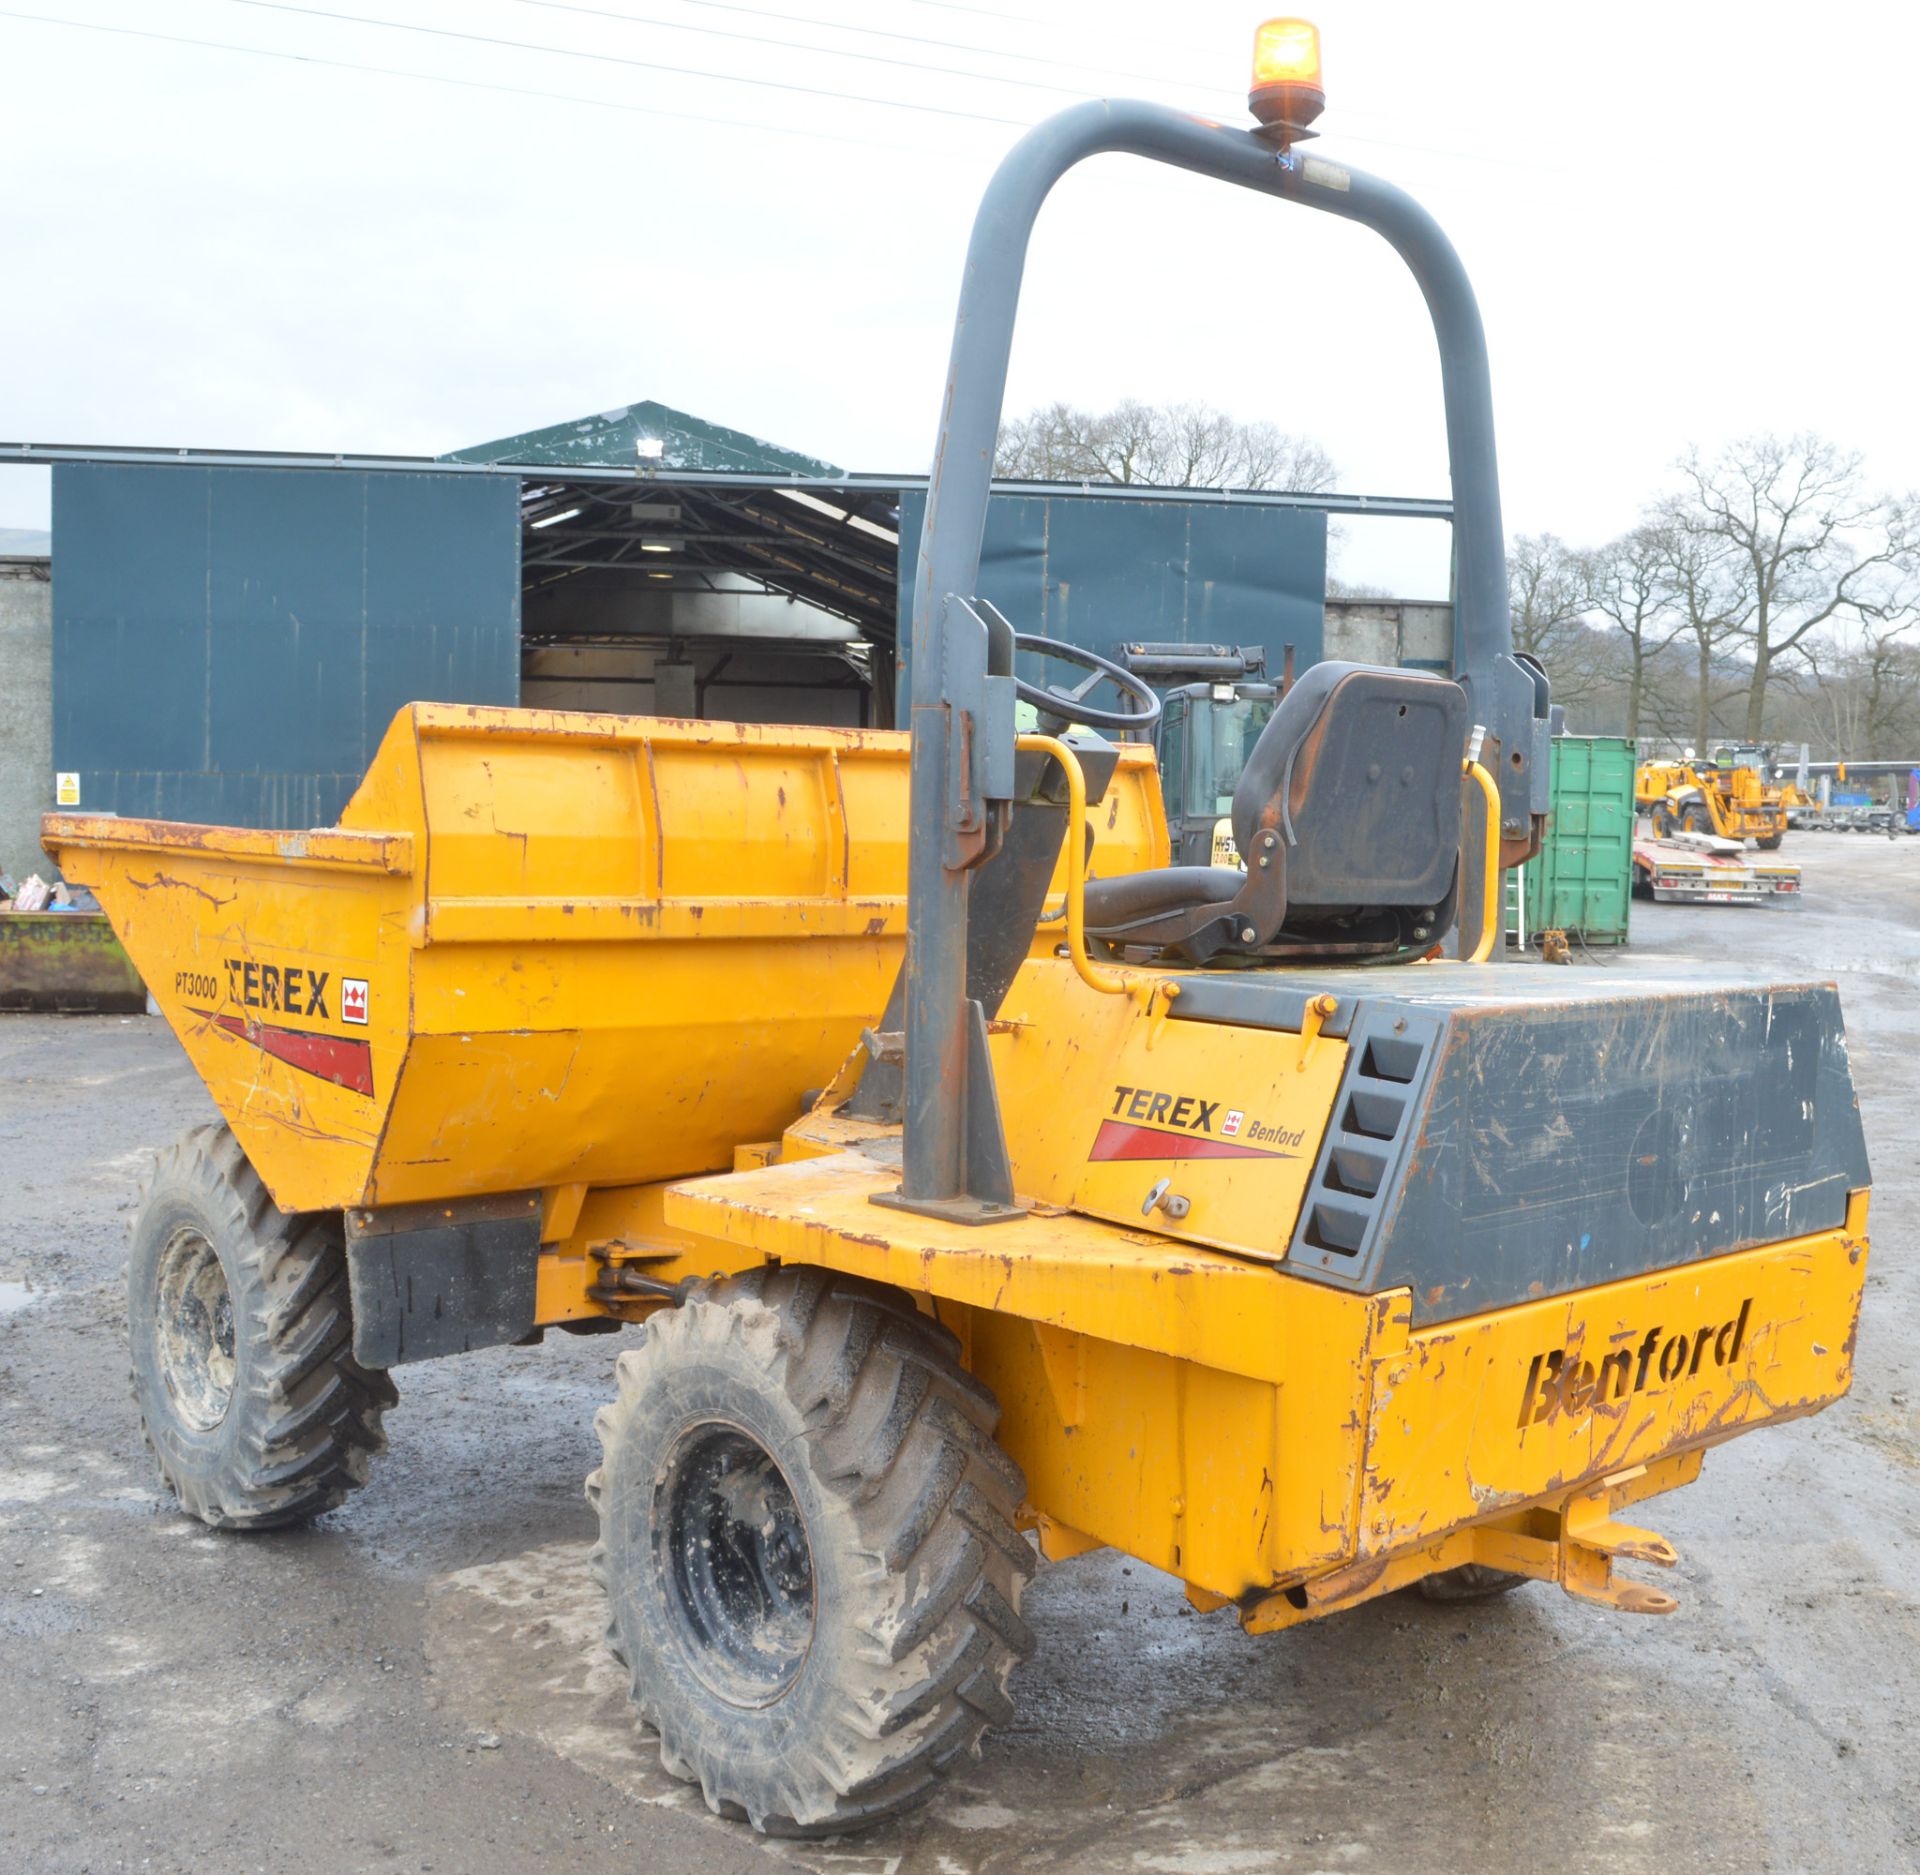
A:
[1556,1384]
[287,991]
[1145,1123]
[291,990]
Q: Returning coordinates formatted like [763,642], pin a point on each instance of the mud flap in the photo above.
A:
[433,1279]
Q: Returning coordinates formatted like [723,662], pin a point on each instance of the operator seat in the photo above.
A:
[1347,817]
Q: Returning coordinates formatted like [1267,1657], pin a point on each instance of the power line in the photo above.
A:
[731,6]
[991,13]
[610,58]
[867,32]
[1035,19]
[800,45]
[459,84]
[383,71]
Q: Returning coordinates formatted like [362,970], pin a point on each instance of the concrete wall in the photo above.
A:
[26,712]
[1391,631]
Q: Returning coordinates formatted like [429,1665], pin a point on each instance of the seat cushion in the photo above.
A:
[1112,903]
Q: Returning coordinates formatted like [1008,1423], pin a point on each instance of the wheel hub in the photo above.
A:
[194,1320]
[732,1548]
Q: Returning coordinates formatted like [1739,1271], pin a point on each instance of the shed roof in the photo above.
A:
[610,440]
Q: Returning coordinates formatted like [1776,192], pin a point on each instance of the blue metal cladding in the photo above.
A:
[229,645]
[1102,573]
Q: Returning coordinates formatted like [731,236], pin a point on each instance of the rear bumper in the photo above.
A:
[1688,886]
[1510,1439]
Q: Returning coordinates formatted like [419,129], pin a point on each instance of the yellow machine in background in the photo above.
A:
[969,1172]
[1731,798]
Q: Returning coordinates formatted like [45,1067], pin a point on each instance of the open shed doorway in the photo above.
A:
[729,599]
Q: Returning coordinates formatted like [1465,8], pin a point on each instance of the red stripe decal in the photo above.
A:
[334,1058]
[1118,1140]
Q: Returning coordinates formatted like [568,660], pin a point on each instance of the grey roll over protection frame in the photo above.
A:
[961,701]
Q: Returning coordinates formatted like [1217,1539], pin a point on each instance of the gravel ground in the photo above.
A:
[415,1683]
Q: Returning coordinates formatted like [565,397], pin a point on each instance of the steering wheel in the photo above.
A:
[1060,707]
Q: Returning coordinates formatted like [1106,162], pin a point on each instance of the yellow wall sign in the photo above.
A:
[66,789]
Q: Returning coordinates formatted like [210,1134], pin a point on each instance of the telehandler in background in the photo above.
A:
[1072,1196]
[1730,797]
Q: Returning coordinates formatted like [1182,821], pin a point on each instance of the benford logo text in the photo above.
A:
[1556,1384]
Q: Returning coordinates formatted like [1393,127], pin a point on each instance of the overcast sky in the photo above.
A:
[1685,223]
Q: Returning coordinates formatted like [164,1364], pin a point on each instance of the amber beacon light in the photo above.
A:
[1288,91]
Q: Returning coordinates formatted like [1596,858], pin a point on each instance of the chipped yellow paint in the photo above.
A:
[603,953]
[1473,1420]
[1162,1397]
[1104,1099]
[598,950]
[1251,1431]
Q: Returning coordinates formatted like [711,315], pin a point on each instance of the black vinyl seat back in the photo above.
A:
[1359,771]
[1347,817]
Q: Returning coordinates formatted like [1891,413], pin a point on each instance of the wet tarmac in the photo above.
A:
[417,1683]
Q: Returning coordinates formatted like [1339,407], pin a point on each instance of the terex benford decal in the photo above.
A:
[1147,1123]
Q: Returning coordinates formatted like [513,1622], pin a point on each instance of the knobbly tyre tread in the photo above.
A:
[304,1423]
[1470,1582]
[910,1508]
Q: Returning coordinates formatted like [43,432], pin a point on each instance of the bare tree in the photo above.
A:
[1866,698]
[1160,445]
[1546,599]
[1042,446]
[1546,592]
[1706,595]
[1271,457]
[1629,582]
[1133,442]
[1802,539]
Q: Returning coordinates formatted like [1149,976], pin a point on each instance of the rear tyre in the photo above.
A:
[1662,822]
[1770,842]
[807,1543]
[1695,819]
[242,1346]
[1471,1582]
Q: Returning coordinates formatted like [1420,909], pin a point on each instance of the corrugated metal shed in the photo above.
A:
[1099,572]
[234,628]
[229,645]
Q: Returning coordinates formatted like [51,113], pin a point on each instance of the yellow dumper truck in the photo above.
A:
[966,1178]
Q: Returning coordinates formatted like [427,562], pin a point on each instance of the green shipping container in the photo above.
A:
[1581,880]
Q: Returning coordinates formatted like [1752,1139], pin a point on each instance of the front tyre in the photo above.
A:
[807,1543]
[242,1346]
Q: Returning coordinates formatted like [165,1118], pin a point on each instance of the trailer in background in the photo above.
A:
[1703,869]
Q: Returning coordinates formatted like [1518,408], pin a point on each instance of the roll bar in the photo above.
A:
[960,700]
